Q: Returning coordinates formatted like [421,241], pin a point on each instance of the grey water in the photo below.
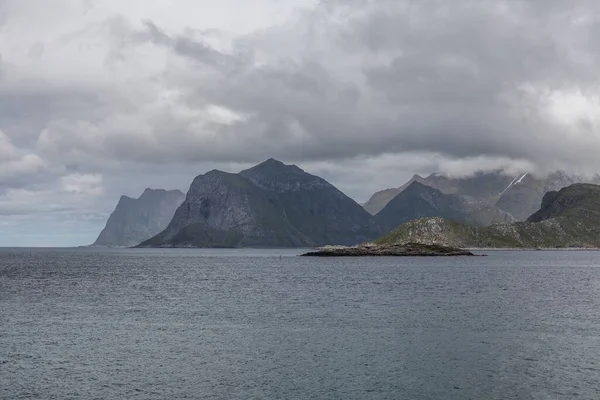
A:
[265,324]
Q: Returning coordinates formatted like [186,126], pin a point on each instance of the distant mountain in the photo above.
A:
[379,200]
[421,201]
[567,218]
[135,220]
[481,186]
[524,195]
[519,195]
[269,205]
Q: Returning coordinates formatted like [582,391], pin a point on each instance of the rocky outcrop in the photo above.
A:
[421,201]
[392,250]
[569,218]
[269,205]
[135,220]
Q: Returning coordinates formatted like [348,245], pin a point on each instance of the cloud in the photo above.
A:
[15,165]
[463,81]
[86,184]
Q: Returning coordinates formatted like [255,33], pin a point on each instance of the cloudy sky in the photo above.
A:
[100,98]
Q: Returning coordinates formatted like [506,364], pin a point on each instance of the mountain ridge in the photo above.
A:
[419,200]
[567,218]
[516,194]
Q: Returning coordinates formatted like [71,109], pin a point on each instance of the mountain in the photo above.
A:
[379,200]
[269,205]
[518,195]
[135,220]
[420,201]
[523,196]
[567,218]
[481,186]
[484,186]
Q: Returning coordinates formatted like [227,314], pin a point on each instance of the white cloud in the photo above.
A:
[85,184]
[14,163]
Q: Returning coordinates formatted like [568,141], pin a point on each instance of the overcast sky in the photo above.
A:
[100,98]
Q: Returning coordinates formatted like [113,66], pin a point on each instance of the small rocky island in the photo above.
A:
[372,249]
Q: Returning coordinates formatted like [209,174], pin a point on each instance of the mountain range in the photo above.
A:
[518,195]
[420,201]
[279,205]
[567,218]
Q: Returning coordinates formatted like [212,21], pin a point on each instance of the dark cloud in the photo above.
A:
[461,80]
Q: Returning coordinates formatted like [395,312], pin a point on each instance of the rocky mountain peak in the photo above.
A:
[150,194]
[276,176]
[271,204]
[273,167]
[135,220]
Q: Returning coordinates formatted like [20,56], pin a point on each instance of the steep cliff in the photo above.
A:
[135,220]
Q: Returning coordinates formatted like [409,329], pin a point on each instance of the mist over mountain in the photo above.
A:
[518,195]
[421,201]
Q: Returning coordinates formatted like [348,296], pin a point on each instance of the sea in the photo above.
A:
[267,324]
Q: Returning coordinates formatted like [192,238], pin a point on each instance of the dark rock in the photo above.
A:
[395,250]
[269,205]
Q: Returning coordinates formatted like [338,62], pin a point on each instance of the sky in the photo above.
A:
[100,98]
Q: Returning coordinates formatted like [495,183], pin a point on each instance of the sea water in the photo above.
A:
[266,324]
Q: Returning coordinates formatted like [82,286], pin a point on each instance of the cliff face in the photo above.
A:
[226,210]
[420,201]
[568,218]
[135,220]
[270,205]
